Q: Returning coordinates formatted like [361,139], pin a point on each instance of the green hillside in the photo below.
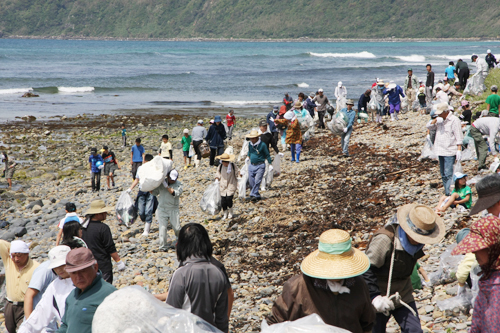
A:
[250,18]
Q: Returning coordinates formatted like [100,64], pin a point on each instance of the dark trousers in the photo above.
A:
[226,202]
[406,320]
[124,140]
[463,76]
[14,315]
[135,166]
[96,181]
[196,146]
[215,152]
[321,116]
[276,136]
[107,276]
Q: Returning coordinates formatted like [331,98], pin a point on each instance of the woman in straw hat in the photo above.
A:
[226,175]
[330,285]
[393,252]
[293,133]
[482,240]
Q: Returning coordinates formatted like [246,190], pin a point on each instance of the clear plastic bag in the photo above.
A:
[134,310]
[447,270]
[308,134]
[427,151]
[125,209]
[474,276]
[474,180]
[337,124]
[416,105]
[305,122]
[191,151]
[211,201]
[475,85]
[457,168]
[229,150]
[404,103]
[494,166]
[277,165]
[456,304]
[311,323]
[243,180]
[469,153]
[373,105]
[153,173]
[244,151]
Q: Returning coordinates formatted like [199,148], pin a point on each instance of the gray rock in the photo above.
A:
[36,209]
[8,236]
[34,203]
[19,222]
[20,231]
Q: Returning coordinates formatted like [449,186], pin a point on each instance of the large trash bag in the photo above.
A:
[211,201]
[329,109]
[191,151]
[125,209]
[244,151]
[447,270]
[427,151]
[305,122]
[243,180]
[311,323]
[373,104]
[469,153]
[457,168]
[416,105]
[264,184]
[475,85]
[229,150]
[338,123]
[404,103]
[456,304]
[308,134]
[277,165]
[134,310]
[153,173]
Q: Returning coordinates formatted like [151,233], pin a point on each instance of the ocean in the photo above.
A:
[83,76]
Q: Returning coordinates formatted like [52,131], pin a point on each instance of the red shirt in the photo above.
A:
[230,120]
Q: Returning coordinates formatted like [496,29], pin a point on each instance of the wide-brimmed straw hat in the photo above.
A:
[381,83]
[335,257]
[297,105]
[421,223]
[253,134]
[226,157]
[97,207]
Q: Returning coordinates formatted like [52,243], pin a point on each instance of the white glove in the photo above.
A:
[459,156]
[428,137]
[345,130]
[129,191]
[461,290]
[120,265]
[271,119]
[100,167]
[439,120]
[383,305]
[271,168]
[247,159]
[362,109]
[216,181]
[281,154]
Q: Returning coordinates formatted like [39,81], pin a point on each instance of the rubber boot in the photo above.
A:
[396,116]
[147,226]
[292,150]
[230,215]
[196,163]
[298,157]
[392,117]
[224,216]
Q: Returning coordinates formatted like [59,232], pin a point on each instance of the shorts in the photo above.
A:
[185,153]
[423,105]
[110,168]
[462,204]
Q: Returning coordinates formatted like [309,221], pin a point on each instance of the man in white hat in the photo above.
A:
[19,268]
[448,142]
[322,100]
[490,59]
[393,251]
[341,96]
[168,208]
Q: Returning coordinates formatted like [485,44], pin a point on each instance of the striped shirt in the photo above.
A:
[448,136]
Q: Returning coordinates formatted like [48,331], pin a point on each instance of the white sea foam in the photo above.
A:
[411,58]
[363,54]
[75,89]
[15,91]
[450,57]
[302,85]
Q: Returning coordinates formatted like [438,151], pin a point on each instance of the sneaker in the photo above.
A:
[185,168]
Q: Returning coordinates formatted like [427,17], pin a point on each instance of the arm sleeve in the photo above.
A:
[491,139]
[176,291]
[274,145]
[41,316]
[459,136]
[367,318]
[209,134]
[380,247]
[221,319]
[465,267]
[4,251]
[63,327]
[266,151]
[372,282]
[217,174]
[286,307]
[351,121]
[108,242]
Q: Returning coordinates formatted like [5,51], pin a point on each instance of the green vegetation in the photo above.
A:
[493,78]
[250,18]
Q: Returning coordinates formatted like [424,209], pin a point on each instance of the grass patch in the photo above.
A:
[493,78]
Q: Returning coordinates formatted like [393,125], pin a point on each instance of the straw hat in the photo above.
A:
[350,102]
[381,83]
[297,105]
[226,157]
[253,134]
[97,207]
[335,258]
[421,223]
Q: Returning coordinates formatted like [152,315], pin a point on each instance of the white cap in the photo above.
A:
[320,90]
[173,175]
[186,131]
[489,51]
[440,108]
[289,115]
[200,121]
[18,246]
[57,256]
[340,83]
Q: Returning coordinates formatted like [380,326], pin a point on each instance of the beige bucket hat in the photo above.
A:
[253,134]
[226,157]
[421,223]
[97,207]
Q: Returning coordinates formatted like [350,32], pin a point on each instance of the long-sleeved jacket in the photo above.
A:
[77,320]
[200,287]
[465,266]
[486,317]
[490,60]
[269,140]
[166,200]
[258,153]
[461,65]
[293,133]
[414,82]
[50,309]
[309,105]
[351,115]
[379,94]
[270,123]
[394,95]
[488,126]
[430,79]
[228,182]
[363,103]
[216,136]
[482,66]
[340,92]
[303,295]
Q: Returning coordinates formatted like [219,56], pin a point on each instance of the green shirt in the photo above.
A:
[493,100]
[415,278]
[259,154]
[186,142]
[463,193]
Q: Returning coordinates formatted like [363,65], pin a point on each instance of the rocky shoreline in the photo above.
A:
[265,243]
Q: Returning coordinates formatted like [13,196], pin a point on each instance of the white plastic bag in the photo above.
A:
[416,105]
[308,134]
[404,103]
[153,173]
[191,151]
[308,324]
[494,166]
[469,153]
[125,209]
[277,165]
[427,151]
[458,303]
[338,123]
[134,310]
[211,201]
[243,180]
[372,104]
[244,150]
[305,122]
[263,183]
[229,150]
[457,168]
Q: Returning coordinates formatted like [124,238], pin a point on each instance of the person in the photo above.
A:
[393,251]
[10,167]
[490,59]
[482,240]
[468,263]
[309,105]
[422,100]
[450,72]
[186,144]
[346,136]
[215,137]
[270,122]
[96,164]
[287,101]
[166,150]
[71,215]
[394,91]
[99,240]
[482,70]
[110,165]
[431,133]
[198,133]
[410,87]
[72,235]
[293,134]
[50,309]
[197,285]
[258,154]
[416,282]
[340,96]
[19,269]
[378,92]
[168,207]
[448,143]
[484,126]
[137,157]
[429,83]
[461,195]
[322,100]
[282,127]
[453,91]
[466,112]
[441,96]
[488,192]
[226,175]
[144,202]
[40,280]
[363,101]
[268,138]
[463,73]
[124,135]
[492,102]
[230,122]
[89,292]
[446,85]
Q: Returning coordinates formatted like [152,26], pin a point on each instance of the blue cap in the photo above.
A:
[458,175]
[461,234]
[217,119]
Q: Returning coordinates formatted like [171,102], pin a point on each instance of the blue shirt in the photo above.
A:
[124,132]
[93,160]
[42,277]
[272,126]
[137,152]
[449,71]
[350,115]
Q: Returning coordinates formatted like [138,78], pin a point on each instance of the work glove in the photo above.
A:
[458,156]
[428,137]
[362,109]
[129,191]
[439,120]
[383,305]
[345,130]
[100,167]
[271,168]
[271,119]
[247,159]
[120,265]
[461,290]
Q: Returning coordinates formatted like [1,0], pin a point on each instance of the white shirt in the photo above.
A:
[442,97]
[448,136]
[482,66]
[340,92]
[488,126]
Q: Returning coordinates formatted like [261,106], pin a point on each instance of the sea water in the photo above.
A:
[82,76]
